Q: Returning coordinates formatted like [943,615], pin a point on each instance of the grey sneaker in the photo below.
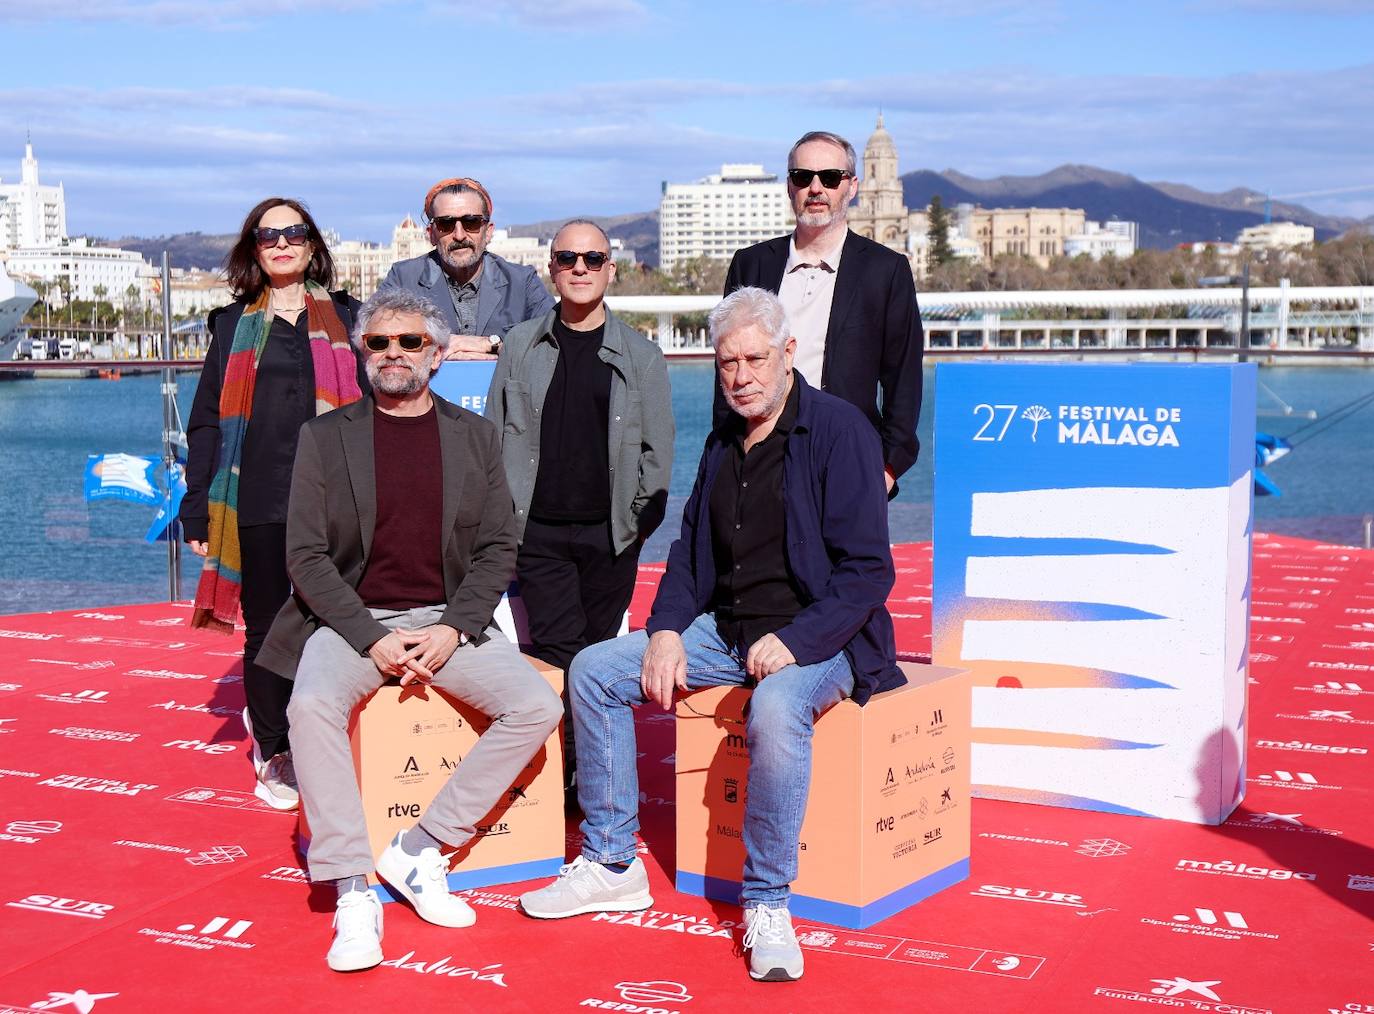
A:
[357,932]
[774,954]
[584,886]
[277,783]
[423,881]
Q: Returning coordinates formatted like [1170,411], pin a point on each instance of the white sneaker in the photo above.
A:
[423,881]
[584,886]
[357,932]
[774,954]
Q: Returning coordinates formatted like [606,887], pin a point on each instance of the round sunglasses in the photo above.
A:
[594,259]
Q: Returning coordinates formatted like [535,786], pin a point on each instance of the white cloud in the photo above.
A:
[168,160]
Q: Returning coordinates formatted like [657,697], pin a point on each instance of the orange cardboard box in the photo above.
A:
[406,743]
[887,819]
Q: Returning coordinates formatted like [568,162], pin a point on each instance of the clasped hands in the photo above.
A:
[414,655]
[665,664]
[469,347]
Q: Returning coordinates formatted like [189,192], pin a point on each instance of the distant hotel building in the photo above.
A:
[718,214]
[1098,239]
[1276,236]
[83,268]
[31,214]
[34,245]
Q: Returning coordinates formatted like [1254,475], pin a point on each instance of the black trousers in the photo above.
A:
[265,588]
[575,588]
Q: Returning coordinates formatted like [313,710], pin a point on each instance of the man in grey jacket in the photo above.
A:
[585,414]
[480,294]
[399,543]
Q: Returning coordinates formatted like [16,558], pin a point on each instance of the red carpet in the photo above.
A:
[141,875]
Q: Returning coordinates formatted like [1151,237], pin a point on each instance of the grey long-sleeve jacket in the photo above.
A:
[640,426]
[508,293]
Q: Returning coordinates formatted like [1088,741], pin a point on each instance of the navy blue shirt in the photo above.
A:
[835,503]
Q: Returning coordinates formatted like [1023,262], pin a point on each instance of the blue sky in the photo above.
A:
[177,115]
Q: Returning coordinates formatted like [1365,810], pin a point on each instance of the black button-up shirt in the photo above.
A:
[755,593]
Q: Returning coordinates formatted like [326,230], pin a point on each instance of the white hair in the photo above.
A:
[749,307]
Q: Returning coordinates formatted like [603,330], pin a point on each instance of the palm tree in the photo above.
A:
[42,287]
[64,285]
[100,292]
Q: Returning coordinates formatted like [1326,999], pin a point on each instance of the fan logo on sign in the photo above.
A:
[1103,425]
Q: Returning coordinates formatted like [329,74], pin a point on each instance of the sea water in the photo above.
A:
[60,552]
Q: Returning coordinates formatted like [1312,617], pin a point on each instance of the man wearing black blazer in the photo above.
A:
[851,301]
[399,541]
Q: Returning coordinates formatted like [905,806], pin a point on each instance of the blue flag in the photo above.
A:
[131,477]
[162,527]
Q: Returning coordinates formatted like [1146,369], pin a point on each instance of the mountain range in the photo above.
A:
[1168,213]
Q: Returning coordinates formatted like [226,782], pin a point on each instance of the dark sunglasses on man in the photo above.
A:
[382,342]
[295,234]
[470,223]
[830,178]
[594,259]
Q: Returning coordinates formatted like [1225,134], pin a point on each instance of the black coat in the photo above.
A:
[266,488]
[874,341]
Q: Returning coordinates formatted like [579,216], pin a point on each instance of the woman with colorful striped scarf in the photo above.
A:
[279,355]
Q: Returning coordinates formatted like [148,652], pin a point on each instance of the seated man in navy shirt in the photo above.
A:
[778,581]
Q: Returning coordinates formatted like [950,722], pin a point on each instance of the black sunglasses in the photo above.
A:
[830,178]
[594,259]
[382,342]
[295,234]
[470,223]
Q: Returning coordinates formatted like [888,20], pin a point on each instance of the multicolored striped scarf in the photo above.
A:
[336,384]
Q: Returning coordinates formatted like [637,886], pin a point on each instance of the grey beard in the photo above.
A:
[396,386]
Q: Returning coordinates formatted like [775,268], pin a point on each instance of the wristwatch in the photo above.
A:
[495,344]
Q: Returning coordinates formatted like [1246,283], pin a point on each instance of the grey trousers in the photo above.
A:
[330,681]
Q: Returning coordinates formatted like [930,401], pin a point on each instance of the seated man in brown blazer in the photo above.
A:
[400,541]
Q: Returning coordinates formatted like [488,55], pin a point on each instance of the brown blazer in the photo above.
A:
[332,513]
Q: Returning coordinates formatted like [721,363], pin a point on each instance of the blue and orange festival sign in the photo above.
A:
[1092,571]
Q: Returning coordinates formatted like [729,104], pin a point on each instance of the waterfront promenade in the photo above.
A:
[1285,322]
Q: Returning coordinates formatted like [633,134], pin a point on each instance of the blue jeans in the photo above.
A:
[604,686]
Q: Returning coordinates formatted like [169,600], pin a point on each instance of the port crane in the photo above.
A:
[1269,199]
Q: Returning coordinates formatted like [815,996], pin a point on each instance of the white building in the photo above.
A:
[1276,236]
[84,268]
[196,292]
[719,214]
[360,266]
[31,214]
[1097,239]
[529,251]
